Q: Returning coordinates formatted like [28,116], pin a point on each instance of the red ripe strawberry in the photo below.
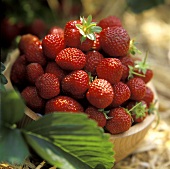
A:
[96,43]
[109,21]
[110,69]
[71,59]
[119,121]
[52,44]
[53,68]
[137,87]
[32,99]
[115,41]
[100,93]
[63,104]
[34,53]
[57,30]
[121,94]
[34,70]
[93,58]
[138,110]
[95,114]
[48,86]
[149,96]
[18,71]
[25,41]
[76,83]
[147,75]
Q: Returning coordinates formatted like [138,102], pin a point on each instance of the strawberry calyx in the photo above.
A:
[132,48]
[105,112]
[133,72]
[87,28]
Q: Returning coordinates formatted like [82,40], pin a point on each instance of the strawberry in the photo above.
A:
[34,70]
[34,53]
[121,94]
[63,104]
[48,86]
[138,111]
[53,68]
[109,21]
[137,88]
[25,41]
[96,43]
[57,30]
[110,69]
[100,93]
[93,58]
[71,59]
[119,121]
[18,70]
[95,114]
[149,96]
[115,41]
[32,99]
[52,44]
[76,83]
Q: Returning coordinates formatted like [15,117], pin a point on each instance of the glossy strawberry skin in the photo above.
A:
[115,41]
[110,69]
[32,99]
[48,86]
[76,83]
[63,104]
[149,96]
[52,44]
[53,68]
[121,94]
[119,122]
[71,59]
[57,30]
[109,21]
[96,115]
[137,87]
[93,58]
[34,70]
[96,43]
[100,93]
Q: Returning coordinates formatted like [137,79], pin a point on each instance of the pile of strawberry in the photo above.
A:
[87,67]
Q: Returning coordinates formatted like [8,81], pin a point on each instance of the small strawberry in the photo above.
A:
[32,99]
[48,86]
[34,53]
[93,58]
[137,88]
[119,120]
[57,30]
[96,43]
[52,44]
[149,96]
[76,83]
[138,111]
[95,114]
[110,69]
[115,41]
[34,70]
[63,104]
[100,93]
[109,21]
[53,68]
[71,59]
[121,94]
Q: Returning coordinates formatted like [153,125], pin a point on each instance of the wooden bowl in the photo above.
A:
[124,143]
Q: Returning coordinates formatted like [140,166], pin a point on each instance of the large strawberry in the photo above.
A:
[100,93]
[93,58]
[52,44]
[110,69]
[97,115]
[48,86]
[137,88]
[71,59]
[149,96]
[63,104]
[80,33]
[115,41]
[120,121]
[76,83]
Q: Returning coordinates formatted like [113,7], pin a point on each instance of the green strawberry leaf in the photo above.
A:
[74,136]
[3,79]
[13,148]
